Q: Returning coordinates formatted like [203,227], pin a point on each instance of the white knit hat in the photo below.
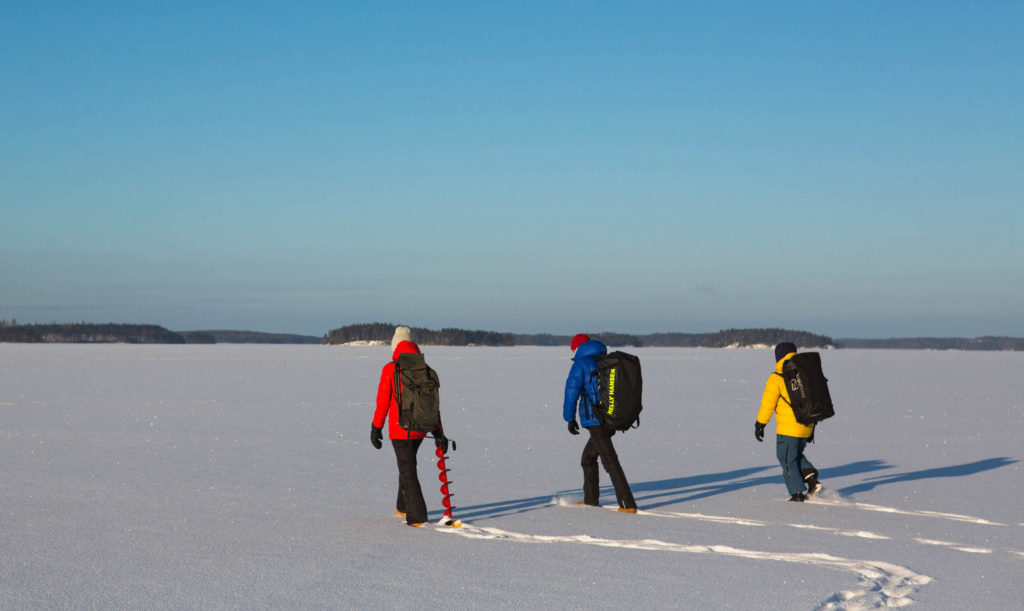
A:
[402,334]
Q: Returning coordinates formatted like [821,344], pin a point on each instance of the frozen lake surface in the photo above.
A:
[240,476]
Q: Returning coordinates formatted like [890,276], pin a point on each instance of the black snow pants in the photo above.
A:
[600,445]
[410,495]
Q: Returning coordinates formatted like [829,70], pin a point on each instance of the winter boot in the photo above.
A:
[798,497]
[811,479]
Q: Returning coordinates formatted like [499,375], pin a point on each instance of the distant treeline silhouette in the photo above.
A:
[721,339]
[88,333]
[382,332]
[12,332]
[92,333]
[247,337]
[938,343]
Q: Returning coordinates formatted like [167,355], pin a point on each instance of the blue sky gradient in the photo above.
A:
[851,169]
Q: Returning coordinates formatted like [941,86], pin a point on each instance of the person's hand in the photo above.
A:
[441,441]
[376,435]
[759,431]
[574,428]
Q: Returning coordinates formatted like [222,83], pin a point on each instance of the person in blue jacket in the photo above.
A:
[581,388]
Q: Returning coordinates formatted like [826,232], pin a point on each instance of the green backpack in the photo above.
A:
[416,389]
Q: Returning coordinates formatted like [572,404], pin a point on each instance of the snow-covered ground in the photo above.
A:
[242,477]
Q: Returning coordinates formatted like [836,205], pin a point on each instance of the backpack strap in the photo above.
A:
[775,373]
[396,382]
[585,402]
[396,389]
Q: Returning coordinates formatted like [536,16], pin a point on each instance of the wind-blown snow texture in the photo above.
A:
[242,477]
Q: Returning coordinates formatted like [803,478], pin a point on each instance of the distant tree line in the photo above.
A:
[12,332]
[938,343]
[365,332]
[83,332]
[382,332]
[246,337]
[541,339]
[688,340]
[769,337]
[721,339]
[86,333]
[676,340]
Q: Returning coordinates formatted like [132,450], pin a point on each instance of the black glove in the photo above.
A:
[376,435]
[759,431]
[441,441]
[574,428]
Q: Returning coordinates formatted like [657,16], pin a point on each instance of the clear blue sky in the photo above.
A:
[848,168]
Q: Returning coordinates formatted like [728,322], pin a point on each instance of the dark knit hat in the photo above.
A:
[783,349]
[578,340]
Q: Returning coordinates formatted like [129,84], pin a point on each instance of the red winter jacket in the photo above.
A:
[387,404]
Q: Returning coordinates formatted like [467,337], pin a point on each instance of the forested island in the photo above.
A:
[729,338]
[88,333]
[380,333]
[114,333]
[937,343]
[247,337]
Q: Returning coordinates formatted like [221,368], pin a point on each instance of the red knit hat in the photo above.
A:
[578,339]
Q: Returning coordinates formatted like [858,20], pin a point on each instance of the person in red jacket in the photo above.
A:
[410,501]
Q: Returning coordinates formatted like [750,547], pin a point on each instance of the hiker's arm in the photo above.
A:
[573,387]
[383,396]
[769,400]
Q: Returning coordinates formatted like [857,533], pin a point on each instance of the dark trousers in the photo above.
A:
[600,446]
[410,496]
[790,452]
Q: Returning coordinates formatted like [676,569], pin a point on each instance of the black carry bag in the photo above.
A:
[416,388]
[808,388]
[620,389]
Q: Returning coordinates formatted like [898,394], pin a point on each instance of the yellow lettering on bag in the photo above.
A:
[611,392]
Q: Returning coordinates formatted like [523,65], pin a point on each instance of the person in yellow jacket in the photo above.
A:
[791,436]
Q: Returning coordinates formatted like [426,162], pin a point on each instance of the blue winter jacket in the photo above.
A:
[580,383]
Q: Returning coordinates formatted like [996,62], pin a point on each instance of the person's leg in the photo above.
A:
[602,441]
[591,483]
[805,465]
[400,502]
[810,475]
[787,450]
[409,483]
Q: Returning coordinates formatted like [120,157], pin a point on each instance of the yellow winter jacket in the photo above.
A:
[785,421]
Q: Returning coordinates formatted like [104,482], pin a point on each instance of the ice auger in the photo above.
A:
[443,478]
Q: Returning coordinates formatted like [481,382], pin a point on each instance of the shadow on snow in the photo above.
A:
[660,493]
[656,494]
[952,471]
